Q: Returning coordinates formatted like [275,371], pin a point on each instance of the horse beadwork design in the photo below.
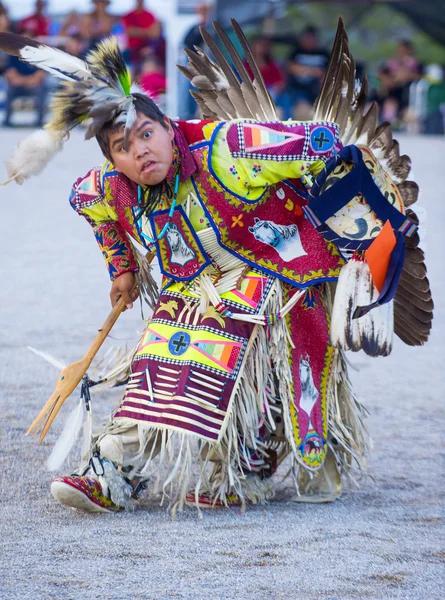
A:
[285,239]
[181,254]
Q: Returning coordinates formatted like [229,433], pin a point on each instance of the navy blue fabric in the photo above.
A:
[21,67]
[358,180]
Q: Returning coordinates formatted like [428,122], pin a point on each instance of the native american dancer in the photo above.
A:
[281,245]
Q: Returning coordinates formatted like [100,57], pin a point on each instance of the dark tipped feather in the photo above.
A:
[422,301]
[409,191]
[324,99]
[399,168]
[422,285]
[264,97]
[407,335]
[206,112]
[369,125]
[415,255]
[417,270]
[221,80]
[413,241]
[412,215]
[411,322]
[421,315]
[247,89]
[382,141]
[11,43]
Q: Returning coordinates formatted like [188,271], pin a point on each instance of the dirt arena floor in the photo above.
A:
[384,541]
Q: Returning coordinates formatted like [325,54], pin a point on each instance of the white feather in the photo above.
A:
[59,364]
[131,115]
[58,63]
[67,438]
[136,89]
[221,83]
[344,329]
[33,154]
[364,296]
[87,436]
[377,326]
[372,332]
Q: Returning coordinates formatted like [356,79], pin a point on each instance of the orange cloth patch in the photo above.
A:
[379,253]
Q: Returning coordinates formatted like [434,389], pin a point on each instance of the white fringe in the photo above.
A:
[264,382]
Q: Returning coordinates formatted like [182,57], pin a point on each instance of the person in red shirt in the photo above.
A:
[270,70]
[37,23]
[152,79]
[142,30]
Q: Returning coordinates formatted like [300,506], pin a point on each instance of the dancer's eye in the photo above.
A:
[147,134]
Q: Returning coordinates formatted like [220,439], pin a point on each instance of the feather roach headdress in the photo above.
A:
[94,91]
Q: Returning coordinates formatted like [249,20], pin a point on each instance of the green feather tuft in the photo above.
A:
[125,81]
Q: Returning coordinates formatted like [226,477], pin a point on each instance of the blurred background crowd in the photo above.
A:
[406,77]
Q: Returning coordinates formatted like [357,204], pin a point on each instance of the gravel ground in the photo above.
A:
[383,541]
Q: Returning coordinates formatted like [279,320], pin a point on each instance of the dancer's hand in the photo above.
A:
[123,286]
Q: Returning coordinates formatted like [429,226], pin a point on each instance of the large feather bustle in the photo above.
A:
[343,101]
[222,92]
[33,154]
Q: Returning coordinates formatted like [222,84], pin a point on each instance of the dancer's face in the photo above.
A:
[149,155]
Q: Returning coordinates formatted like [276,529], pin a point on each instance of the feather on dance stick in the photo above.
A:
[72,375]
[67,438]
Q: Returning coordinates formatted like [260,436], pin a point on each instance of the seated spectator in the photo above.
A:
[396,76]
[152,78]
[270,70]
[37,24]
[75,45]
[306,67]
[98,24]
[72,24]
[188,107]
[4,26]
[435,101]
[24,80]
[142,30]
[4,18]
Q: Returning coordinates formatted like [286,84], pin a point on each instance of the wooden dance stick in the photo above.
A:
[71,375]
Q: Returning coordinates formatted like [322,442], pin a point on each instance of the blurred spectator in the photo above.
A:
[24,80]
[396,76]
[270,70]
[97,24]
[435,101]
[72,24]
[37,24]
[193,38]
[142,30]
[4,26]
[4,18]
[75,45]
[152,79]
[305,68]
